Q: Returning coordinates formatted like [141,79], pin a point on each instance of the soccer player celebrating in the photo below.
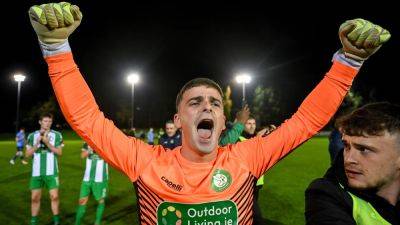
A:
[20,141]
[95,181]
[199,182]
[45,146]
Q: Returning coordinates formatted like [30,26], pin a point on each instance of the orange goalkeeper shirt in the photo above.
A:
[173,190]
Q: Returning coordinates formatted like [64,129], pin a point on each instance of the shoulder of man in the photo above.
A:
[56,132]
[33,133]
[177,135]
[326,185]
[30,137]
[328,203]
[85,146]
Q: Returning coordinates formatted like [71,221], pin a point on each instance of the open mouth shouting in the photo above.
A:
[205,129]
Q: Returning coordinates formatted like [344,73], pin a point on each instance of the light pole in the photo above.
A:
[133,78]
[19,78]
[243,79]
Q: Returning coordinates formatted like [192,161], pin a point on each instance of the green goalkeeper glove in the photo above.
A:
[361,38]
[54,22]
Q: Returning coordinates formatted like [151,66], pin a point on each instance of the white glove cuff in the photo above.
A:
[54,49]
[341,57]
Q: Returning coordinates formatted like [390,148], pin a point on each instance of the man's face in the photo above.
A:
[170,129]
[45,123]
[372,162]
[250,126]
[201,117]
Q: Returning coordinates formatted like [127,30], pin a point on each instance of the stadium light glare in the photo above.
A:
[19,78]
[243,79]
[133,78]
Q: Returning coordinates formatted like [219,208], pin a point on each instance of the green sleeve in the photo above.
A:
[30,139]
[85,146]
[232,135]
[58,140]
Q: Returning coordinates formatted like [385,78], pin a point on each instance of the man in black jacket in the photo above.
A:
[363,185]
[172,137]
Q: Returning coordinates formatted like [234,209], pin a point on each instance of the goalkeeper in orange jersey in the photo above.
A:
[199,182]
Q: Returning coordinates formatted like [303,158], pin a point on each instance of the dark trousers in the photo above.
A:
[257,217]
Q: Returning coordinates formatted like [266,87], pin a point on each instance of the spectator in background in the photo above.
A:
[95,182]
[335,144]
[45,145]
[150,136]
[20,141]
[172,137]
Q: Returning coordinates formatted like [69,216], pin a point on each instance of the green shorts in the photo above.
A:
[50,182]
[98,189]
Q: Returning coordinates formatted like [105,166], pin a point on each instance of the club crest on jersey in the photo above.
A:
[221,180]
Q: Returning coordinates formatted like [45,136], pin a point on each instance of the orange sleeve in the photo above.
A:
[313,114]
[80,109]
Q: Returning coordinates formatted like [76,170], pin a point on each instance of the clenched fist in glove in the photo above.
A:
[361,38]
[54,22]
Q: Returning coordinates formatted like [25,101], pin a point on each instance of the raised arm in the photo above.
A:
[231,136]
[321,104]
[53,23]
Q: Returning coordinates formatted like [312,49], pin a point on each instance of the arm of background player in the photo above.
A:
[56,150]
[82,113]
[231,135]
[313,114]
[30,148]
[84,153]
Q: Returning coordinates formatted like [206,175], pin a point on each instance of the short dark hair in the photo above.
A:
[48,115]
[252,117]
[196,83]
[372,119]
[169,121]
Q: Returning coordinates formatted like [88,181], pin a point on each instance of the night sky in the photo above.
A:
[169,44]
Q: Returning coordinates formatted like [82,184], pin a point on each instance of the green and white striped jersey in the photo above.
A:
[96,169]
[44,160]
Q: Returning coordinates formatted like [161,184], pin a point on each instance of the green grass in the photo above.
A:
[283,193]
[281,200]
[15,194]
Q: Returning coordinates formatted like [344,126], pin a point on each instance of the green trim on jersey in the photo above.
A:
[44,160]
[96,168]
